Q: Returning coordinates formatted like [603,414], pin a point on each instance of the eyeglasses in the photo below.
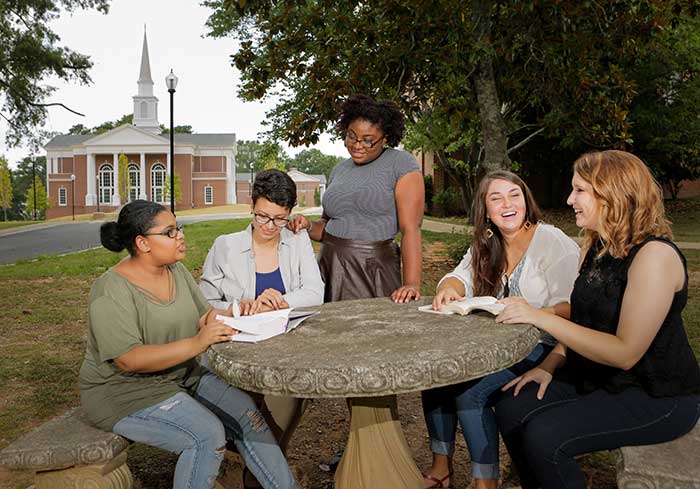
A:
[262,219]
[350,140]
[170,232]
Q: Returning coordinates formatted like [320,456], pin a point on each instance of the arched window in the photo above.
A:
[208,195]
[158,183]
[105,179]
[62,196]
[144,110]
[134,182]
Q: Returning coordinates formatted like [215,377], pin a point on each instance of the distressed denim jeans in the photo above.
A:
[469,402]
[197,429]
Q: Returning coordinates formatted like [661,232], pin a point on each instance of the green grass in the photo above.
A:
[14,224]
[684,216]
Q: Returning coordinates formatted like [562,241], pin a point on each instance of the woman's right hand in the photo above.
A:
[214,332]
[537,374]
[444,296]
[297,222]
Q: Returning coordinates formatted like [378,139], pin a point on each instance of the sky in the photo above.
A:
[206,96]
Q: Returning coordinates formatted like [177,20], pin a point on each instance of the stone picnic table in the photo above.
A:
[369,351]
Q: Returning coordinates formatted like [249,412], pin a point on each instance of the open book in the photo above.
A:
[264,325]
[485,303]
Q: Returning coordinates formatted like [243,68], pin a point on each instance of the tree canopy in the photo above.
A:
[481,77]
[30,53]
[125,119]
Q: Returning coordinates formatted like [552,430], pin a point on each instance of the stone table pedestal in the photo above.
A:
[370,350]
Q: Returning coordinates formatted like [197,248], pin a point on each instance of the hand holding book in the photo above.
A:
[465,306]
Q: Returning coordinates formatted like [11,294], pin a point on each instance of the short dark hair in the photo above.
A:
[277,187]
[134,220]
[384,113]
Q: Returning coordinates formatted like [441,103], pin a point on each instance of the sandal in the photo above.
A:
[438,483]
[256,484]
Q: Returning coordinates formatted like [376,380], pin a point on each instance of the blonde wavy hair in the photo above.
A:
[630,199]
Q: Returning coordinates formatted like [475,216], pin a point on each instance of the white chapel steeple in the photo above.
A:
[145,104]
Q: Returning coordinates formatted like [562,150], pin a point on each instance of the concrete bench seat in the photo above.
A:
[67,453]
[672,465]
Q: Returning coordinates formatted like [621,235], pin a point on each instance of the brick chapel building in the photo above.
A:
[87,164]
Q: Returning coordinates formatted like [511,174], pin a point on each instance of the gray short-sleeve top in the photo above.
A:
[359,201]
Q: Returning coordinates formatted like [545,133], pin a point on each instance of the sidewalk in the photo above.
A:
[446,227]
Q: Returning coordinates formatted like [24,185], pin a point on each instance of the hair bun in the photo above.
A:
[110,237]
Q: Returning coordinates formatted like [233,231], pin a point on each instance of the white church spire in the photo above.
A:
[145,103]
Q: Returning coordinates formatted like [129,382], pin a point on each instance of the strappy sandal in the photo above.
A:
[438,483]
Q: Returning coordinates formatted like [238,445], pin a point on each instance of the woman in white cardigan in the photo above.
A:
[262,268]
[513,255]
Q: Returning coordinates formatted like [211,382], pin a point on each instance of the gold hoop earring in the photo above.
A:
[489,233]
[527,225]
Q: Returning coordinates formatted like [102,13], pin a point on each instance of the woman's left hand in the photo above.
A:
[405,293]
[520,312]
[272,298]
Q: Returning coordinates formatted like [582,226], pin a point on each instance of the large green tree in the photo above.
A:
[31,53]
[314,162]
[5,186]
[125,119]
[22,176]
[261,156]
[38,201]
[664,115]
[483,77]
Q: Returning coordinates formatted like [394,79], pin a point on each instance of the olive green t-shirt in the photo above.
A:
[122,316]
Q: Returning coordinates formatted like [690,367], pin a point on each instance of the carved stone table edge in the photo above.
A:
[321,384]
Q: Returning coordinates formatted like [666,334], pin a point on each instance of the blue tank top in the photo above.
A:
[271,280]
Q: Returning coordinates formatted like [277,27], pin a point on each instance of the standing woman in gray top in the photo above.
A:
[371,196]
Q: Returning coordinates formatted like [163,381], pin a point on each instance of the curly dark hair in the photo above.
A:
[277,187]
[384,113]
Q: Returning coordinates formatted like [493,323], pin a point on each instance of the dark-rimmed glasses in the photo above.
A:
[351,140]
[262,219]
[170,232]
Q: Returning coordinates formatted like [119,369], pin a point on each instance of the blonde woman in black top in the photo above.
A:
[629,375]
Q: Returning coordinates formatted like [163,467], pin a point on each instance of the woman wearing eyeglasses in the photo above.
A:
[371,196]
[147,323]
[263,268]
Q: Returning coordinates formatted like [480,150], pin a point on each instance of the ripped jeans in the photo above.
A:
[197,428]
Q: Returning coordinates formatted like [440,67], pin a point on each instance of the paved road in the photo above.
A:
[29,242]
[57,238]
[61,238]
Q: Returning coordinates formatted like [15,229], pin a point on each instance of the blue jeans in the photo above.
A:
[544,436]
[469,403]
[197,428]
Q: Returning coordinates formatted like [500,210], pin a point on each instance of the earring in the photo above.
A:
[489,233]
[527,225]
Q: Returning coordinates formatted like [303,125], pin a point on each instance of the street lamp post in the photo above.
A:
[72,193]
[34,183]
[171,83]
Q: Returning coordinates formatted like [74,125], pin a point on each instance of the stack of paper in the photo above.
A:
[264,325]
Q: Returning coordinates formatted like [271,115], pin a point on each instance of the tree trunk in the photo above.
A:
[493,128]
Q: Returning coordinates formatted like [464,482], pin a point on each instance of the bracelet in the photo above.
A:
[311,225]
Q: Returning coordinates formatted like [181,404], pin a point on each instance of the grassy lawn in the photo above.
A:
[14,224]
[683,215]
[43,332]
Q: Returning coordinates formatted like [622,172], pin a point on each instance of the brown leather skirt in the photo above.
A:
[354,269]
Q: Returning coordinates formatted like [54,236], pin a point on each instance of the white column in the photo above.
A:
[90,196]
[230,180]
[167,163]
[49,164]
[116,200]
[142,177]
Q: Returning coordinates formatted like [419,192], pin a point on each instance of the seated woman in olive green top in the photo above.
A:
[147,323]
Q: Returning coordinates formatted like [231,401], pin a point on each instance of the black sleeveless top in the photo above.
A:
[668,368]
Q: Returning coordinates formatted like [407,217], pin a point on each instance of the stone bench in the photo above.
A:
[67,453]
[672,465]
